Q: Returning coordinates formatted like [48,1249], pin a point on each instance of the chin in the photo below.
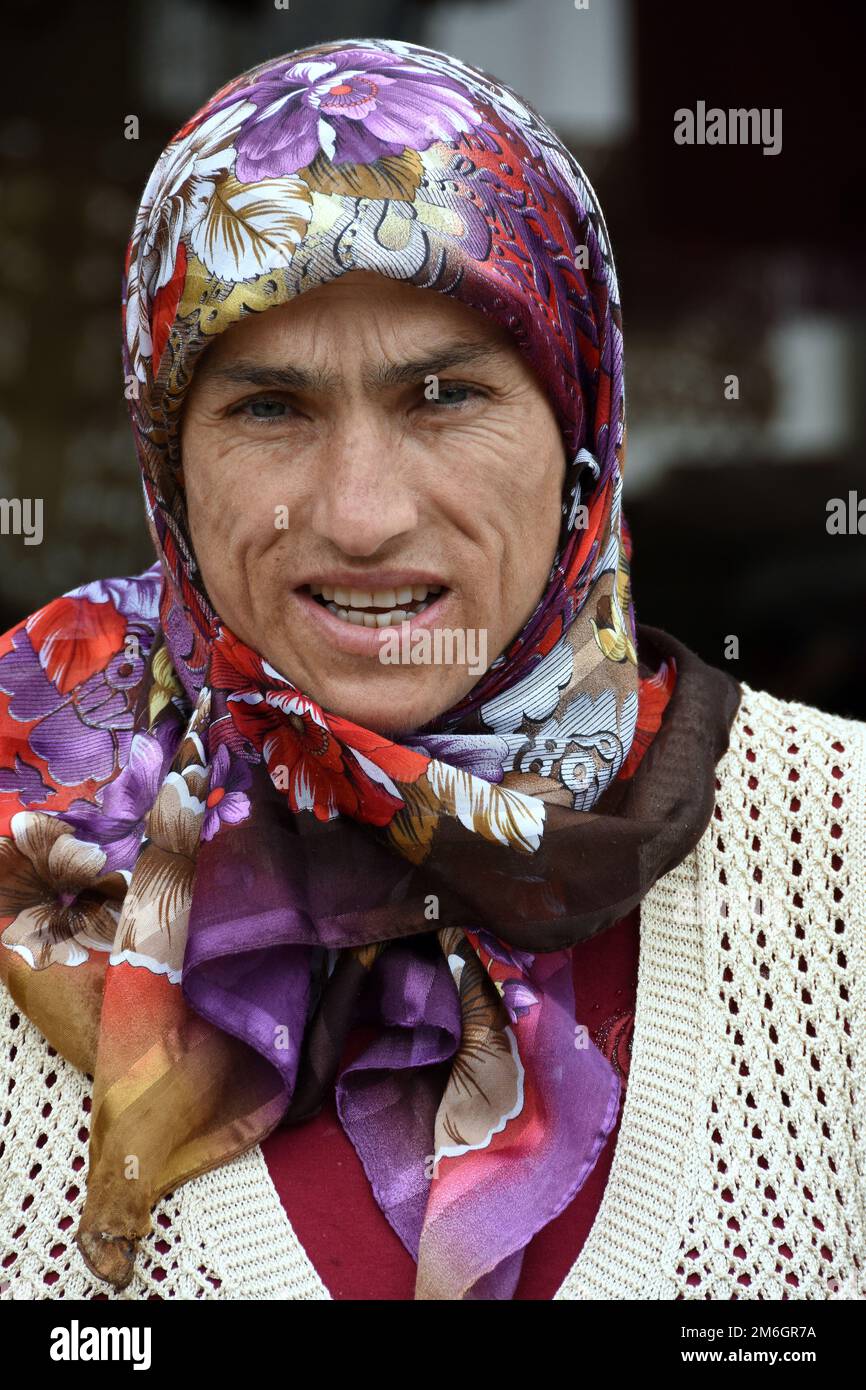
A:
[392,719]
[388,712]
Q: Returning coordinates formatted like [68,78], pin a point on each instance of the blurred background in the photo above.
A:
[729,261]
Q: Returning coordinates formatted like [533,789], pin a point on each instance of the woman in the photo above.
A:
[271,857]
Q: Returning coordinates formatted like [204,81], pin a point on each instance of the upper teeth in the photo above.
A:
[373,598]
[350,604]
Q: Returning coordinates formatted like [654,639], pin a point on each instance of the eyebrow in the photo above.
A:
[457,354]
[292,378]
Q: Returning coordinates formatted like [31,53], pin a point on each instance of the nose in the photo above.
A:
[363,498]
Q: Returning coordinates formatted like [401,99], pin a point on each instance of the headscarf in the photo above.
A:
[206,879]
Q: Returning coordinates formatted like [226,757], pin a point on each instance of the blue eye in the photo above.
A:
[265,409]
[453,394]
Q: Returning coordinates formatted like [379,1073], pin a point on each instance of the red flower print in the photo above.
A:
[233,665]
[325,764]
[305,760]
[654,692]
[75,638]
[403,764]
[164,307]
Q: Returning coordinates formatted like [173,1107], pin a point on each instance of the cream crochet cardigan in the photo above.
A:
[740,1168]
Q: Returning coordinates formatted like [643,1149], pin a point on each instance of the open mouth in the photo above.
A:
[376,607]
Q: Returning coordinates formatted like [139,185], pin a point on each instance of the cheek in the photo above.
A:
[229,499]
[536,476]
[508,491]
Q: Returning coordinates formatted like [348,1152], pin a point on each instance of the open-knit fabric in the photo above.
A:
[740,1169]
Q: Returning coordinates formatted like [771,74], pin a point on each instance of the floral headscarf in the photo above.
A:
[206,879]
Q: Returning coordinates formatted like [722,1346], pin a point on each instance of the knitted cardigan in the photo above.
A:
[740,1168]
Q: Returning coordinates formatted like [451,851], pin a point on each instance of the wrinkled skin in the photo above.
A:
[368,474]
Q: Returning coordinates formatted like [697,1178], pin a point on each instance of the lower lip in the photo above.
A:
[364,641]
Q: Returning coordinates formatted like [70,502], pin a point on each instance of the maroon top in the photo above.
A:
[328,1199]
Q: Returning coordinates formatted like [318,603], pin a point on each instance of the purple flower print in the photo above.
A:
[84,726]
[522,960]
[518,998]
[116,821]
[26,781]
[84,733]
[481,756]
[226,801]
[135,596]
[356,106]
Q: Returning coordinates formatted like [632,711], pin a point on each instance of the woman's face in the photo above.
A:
[370,439]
